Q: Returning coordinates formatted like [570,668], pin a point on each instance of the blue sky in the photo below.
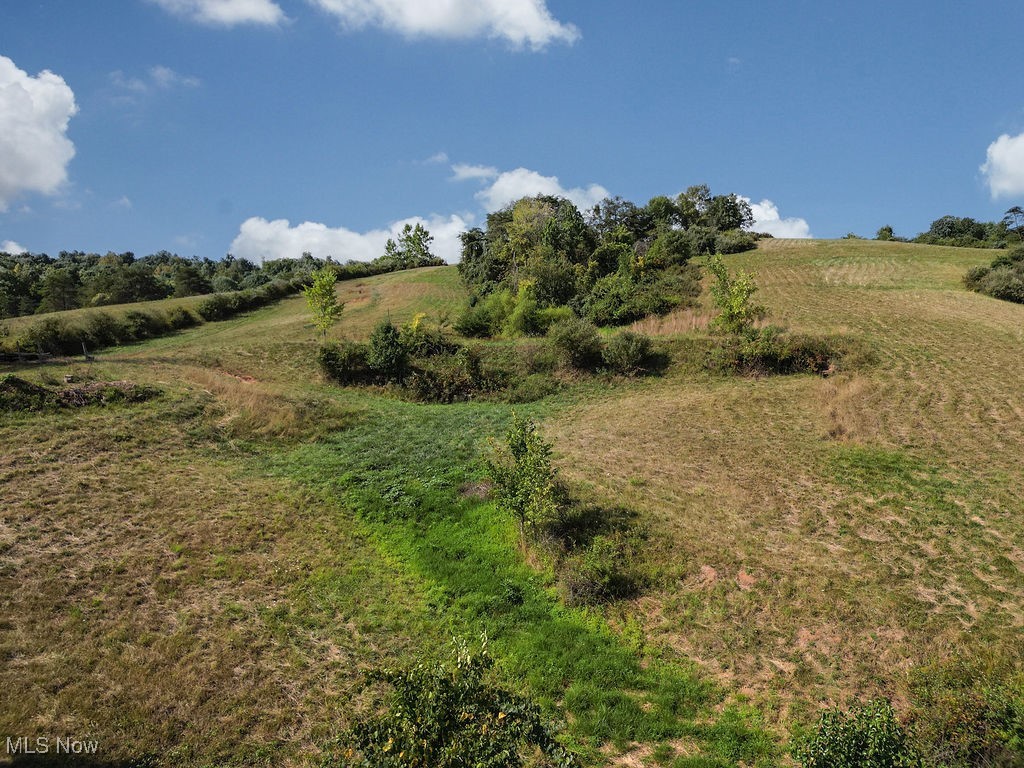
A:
[269,127]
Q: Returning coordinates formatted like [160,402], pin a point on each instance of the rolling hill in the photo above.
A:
[204,578]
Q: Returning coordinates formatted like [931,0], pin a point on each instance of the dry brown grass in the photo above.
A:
[816,537]
[159,597]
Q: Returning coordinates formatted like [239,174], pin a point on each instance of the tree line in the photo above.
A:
[32,283]
[965,232]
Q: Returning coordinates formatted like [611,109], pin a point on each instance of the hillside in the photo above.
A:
[203,578]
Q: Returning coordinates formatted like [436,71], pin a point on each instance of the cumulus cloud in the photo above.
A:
[225,13]
[520,22]
[767,219]
[34,147]
[9,246]
[1004,166]
[259,239]
[508,186]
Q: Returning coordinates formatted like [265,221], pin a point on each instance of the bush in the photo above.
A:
[386,356]
[534,387]
[448,715]
[969,712]
[103,329]
[524,320]
[599,573]
[179,318]
[486,317]
[449,378]
[770,351]
[524,479]
[50,334]
[345,362]
[869,736]
[734,241]
[219,306]
[627,353]
[144,325]
[577,342]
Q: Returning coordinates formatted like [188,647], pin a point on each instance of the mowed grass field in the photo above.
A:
[819,537]
[202,579]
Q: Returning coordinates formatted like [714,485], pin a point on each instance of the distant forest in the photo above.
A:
[36,283]
[967,232]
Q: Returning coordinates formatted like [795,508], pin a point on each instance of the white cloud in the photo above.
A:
[462,172]
[1004,166]
[34,147]
[259,239]
[225,13]
[124,203]
[767,219]
[9,246]
[439,158]
[522,182]
[520,22]
[165,77]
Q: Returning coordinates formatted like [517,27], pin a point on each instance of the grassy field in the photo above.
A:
[820,536]
[203,578]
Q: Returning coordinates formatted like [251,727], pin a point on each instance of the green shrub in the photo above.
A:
[386,356]
[219,306]
[600,572]
[734,241]
[144,325]
[486,317]
[969,712]
[534,387]
[733,295]
[627,353]
[868,736]
[576,341]
[50,334]
[524,479]
[449,378]
[449,715]
[770,351]
[179,318]
[345,362]
[524,319]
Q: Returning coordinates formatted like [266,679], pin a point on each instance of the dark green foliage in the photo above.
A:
[966,233]
[449,378]
[772,351]
[535,386]
[577,342]
[486,316]
[867,736]
[619,299]
[618,265]
[1002,279]
[969,712]
[627,353]
[16,394]
[345,362]
[734,241]
[599,572]
[386,355]
[449,715]
[179,318]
